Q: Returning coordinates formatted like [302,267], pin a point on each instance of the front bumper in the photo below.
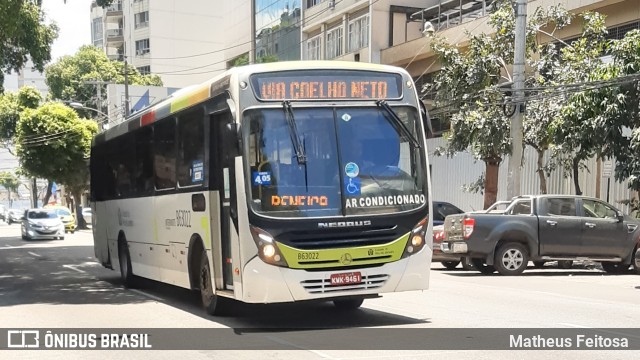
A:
[264,283]
[70,226]
[455,247]
[40,235]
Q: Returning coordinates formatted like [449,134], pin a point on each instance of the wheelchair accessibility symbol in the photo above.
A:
[352,186]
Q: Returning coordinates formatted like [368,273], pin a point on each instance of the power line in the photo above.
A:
[297,44]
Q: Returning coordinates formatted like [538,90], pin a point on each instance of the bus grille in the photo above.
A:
[323,286]
[340,239]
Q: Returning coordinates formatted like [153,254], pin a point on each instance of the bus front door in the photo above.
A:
[224,181]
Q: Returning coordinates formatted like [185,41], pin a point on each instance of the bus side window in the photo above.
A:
[164,154]
[144,161]
[191,148]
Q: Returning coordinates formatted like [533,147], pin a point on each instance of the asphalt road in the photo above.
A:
[58,284]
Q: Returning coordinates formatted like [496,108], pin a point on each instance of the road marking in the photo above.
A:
[34,254]
[153,297]
[284,342]
[572,325]
[73,267]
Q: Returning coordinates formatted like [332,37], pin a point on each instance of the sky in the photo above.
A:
[74,21]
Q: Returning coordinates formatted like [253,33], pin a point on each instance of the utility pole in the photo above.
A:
[126,88]
[34,193]
[252,51]
[515,160]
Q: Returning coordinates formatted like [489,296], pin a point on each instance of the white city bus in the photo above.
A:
[271,183]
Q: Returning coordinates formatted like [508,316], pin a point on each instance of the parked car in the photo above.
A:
[450,261]
[42,224]
[3,210]
[68,219]
[441,209]
[14,216]
[544,228]
[87,215]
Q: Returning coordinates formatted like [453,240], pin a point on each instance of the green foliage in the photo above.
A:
[9,180]
[11,105]
[53,143]
[244,60]
[23,35]
[104,3]
[267,59]
[67,77]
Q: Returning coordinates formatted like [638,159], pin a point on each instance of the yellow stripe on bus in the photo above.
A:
[187,100]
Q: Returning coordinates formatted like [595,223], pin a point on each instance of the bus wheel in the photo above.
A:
[210,301]
[126,275]
[348,304]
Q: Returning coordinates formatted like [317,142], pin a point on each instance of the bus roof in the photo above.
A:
[195,94]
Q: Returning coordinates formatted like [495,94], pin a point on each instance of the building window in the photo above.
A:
[96,32]
[334,42]
[313,48]
[359,33]
[142,47]
[142,19]
[311,3]
[145,70]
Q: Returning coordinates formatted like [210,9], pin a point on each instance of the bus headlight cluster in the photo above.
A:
[416,238]
[267,247]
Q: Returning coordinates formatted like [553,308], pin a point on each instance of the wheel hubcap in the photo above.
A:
[512,259]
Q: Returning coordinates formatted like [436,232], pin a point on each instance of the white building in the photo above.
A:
[27,76]
[183,42]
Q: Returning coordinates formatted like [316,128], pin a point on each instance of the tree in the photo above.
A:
[54,143]
[468,85]
[67,78]
[11,105]
[10,182]
[23,36]
[578,130]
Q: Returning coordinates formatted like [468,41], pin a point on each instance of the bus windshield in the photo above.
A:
[357,162]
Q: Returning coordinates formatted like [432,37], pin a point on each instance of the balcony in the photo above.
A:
[116,57]
[114,36]
[114,10]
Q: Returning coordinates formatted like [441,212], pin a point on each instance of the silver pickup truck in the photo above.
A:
[544,228]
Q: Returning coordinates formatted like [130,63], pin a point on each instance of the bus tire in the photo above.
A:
[126,273]
[210,301]
[348,304]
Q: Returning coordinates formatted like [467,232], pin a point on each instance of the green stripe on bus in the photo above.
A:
[204,223]
[341,257]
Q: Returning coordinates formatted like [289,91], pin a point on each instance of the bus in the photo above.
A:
[271,183]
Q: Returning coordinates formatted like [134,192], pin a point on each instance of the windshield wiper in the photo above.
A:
[293,132]
[397,123]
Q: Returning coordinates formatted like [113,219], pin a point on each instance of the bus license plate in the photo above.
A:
[346,278]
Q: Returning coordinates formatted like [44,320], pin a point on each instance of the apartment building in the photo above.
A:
[350,30]
[183,42]
[278,29]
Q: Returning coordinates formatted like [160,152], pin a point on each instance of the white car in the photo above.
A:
[42,224]
[87,215]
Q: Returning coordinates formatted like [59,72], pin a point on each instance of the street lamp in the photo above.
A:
[77,105]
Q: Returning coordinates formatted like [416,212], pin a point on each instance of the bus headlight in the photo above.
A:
[267,247]
[416,238]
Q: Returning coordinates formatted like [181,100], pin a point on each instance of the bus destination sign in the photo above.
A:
[325,86]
